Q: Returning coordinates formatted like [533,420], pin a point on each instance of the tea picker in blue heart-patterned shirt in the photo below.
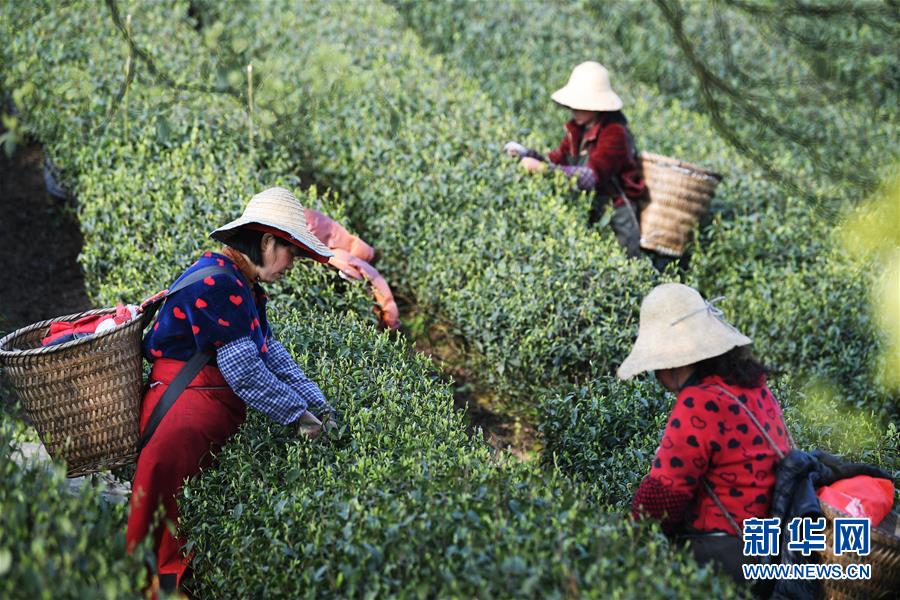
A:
[221,312]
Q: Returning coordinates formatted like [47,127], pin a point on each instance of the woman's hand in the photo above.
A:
[533,165]
[330,424]
[514,149]
[309,425]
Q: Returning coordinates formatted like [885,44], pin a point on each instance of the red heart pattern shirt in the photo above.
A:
[709,435]
[209,314]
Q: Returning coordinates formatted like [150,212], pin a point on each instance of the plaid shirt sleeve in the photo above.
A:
[529,153]
[586,177]
[280,362]
[247,374]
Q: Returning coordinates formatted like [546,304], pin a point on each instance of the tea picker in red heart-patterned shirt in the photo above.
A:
[717,448]
[220,317]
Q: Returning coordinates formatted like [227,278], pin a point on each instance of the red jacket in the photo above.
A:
[709,436]
[611,154]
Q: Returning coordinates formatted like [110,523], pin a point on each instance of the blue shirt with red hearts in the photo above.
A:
[709,435]
[209,314]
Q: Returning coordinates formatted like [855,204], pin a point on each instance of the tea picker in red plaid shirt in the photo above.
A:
[213,355]
[598,150]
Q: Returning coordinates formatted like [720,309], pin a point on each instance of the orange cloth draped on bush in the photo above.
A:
[353,257]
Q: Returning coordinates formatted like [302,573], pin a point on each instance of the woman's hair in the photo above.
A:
[738,367]
[249,242]
[612,116]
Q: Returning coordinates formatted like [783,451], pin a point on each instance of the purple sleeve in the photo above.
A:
[586,178]
[529,153]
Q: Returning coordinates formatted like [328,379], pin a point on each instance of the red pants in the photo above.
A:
[206,414]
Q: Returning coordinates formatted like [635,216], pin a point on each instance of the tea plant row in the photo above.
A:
[401,500]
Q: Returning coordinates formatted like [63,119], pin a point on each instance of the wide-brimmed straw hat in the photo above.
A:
[278,212]
[588,89]
[678,328]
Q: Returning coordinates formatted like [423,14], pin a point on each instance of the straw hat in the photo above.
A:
[588,89]
[277,211]
[678,328]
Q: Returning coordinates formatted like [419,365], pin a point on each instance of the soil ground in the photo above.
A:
[40,241]
[506,432]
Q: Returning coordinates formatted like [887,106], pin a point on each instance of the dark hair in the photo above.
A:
[249,242]
[615,116]
[738,367]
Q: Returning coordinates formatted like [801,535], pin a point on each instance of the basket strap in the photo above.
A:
[778,452]
[185,375]
[712,493]
[190,369]
[191,279]
[753,418]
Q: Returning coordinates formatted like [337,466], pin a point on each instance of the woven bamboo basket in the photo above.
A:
[884,558]
[680,194]
[83,396]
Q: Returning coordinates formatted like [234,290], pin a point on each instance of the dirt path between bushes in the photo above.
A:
[39,242]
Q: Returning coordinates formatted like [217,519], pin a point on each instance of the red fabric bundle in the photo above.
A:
[860,496]
[84,325]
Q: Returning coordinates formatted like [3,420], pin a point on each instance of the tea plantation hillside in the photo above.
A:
[787,279]
[546,336]
[764,247]
[401,462]
[390,118]
[563,303]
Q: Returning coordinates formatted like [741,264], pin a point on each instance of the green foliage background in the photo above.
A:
[400,113]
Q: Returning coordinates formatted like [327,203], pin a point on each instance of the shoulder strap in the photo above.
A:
[196,276]
[753,418]
[190,369]
[715,497]
[158,301]
[185,375]
[778,452]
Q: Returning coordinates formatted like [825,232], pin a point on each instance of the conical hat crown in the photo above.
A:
[588,88]
[678,328]
[278,209]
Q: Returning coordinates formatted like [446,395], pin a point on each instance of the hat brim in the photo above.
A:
[690,345]
[305,240]
[602,102]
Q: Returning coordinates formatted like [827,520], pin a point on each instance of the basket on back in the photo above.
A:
[680,194]
[82,396]
[883,557]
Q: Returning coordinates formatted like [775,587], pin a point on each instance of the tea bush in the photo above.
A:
[54,544]
[502,261]
[537,45]
[517,333]
[183,167]
[825,89]
[400,502]
[788,284]
[402,459]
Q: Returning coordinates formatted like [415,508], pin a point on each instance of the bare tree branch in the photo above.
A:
[158,73]
[747,103]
